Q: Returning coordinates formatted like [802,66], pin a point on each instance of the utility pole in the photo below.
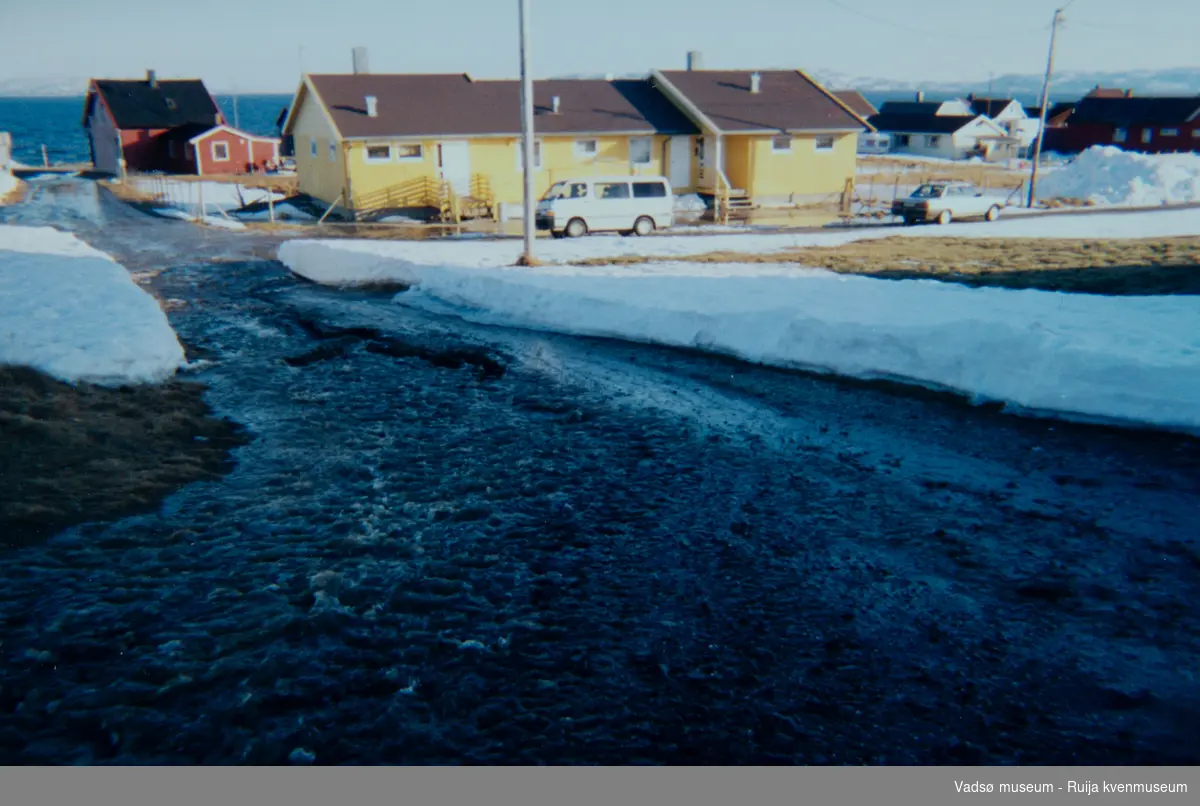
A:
[1041,134]
[528,223]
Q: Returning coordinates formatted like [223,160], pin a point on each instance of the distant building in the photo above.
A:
[1010,115]
[173,126]
[1146,124]
[930,134]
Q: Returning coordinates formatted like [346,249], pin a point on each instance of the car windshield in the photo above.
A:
[556,191]
[929,192]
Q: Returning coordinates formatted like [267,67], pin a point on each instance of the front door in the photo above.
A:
[680,163]
[454,165]
[704,145]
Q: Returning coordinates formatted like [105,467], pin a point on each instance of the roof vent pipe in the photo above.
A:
[372,106]
[358,58]
[555,104]
[695,60]
[755,83]
[152,79]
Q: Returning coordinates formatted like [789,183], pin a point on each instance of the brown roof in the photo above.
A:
[1108,92]
[787,101]
[855,100]
[438,104]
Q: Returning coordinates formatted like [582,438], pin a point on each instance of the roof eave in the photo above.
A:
[837,100]
[673,94]
[505,135]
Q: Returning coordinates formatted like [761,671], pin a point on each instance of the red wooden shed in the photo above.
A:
[226,150]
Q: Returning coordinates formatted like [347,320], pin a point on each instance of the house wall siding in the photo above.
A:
[803,174]
[245,154]
[317,176]
[495,159]
[105,140]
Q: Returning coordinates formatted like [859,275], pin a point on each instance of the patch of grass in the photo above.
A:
[70,454]
[1112,267]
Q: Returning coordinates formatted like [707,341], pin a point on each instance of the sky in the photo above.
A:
[251,45]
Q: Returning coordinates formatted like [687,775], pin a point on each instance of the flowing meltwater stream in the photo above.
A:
[449,543]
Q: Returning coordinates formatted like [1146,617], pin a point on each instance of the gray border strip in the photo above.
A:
[530,786]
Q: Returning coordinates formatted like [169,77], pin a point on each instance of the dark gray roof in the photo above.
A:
[920,124]
[171,103]
[1127,112]
[910,107]
[787,101]
[856,101]
[412,105]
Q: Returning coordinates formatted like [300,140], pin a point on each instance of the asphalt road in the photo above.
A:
[456,544]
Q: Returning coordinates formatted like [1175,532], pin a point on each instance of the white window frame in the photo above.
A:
[649,141]
[1120,135]
[933,140]
[775,149]
[333,151]
[537,155]
[213,150]
[1147,135]
[817,142]
[367,158]
[418,157]
[583,153]
[1168,132]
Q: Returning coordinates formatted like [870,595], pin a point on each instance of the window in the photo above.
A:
[410,152]
[1118,135]
[171,104]
[220,152]
[612,190]
[1169,132]
[781,145]
[312,146]
[586,148]
[902,139]
[578,190]
[640,150]
[332,151]
[537,155]
[1196,133]
[649,190]
[1147,135]
[377,153]
[933,140]
[824,144]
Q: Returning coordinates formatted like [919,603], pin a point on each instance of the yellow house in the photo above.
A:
[767,138]
[370,144]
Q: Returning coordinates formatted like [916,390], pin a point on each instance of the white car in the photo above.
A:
[945,201]
[631,205]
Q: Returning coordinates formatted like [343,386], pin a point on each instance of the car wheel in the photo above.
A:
[910,222]
[993,213]
[945,217]
[643,226]
[576,228]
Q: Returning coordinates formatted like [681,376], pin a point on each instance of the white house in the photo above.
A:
[1010,114]
[948,136]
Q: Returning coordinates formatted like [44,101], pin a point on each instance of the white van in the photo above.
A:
[631,205]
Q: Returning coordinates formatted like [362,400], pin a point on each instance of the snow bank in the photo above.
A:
[376,261]
[1123,359]
[74,313]
[1107,175]
[8,184]
[211,220]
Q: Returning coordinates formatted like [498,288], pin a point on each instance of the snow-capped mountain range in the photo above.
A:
[1067,84]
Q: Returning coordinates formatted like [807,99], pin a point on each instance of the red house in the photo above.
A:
[171,126]
[129,120]
[222,150]
[1152,125]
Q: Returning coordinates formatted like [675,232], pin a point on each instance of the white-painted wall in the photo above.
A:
[5,153]
[106,140]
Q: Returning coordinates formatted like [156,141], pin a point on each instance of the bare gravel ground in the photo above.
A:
[454,544]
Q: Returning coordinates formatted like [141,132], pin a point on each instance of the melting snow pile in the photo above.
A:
[1111,358]
[8,183]
[1108,175]
[75,314]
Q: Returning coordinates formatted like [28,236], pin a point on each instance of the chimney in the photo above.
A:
[695,60]
[920,97]
[1128,93]
[555,104]
[372,106]
[755,83]
[359,59]
[152,79]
